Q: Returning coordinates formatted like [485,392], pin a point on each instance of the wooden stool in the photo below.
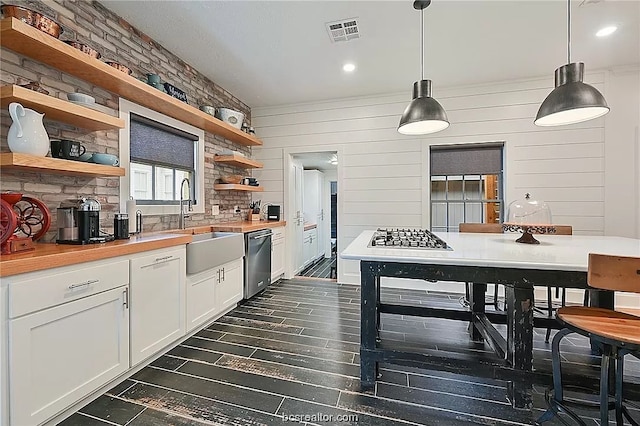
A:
[618,334]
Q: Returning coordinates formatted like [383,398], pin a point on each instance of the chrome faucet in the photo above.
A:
[182,215]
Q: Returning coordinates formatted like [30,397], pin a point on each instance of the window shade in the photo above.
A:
[156,143]
[476,159]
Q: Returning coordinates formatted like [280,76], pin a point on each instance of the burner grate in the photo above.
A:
[407,238]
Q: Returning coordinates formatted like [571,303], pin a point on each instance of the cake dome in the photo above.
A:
[528,211]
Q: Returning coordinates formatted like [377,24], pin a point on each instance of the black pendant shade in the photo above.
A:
[572,101]
[424,114]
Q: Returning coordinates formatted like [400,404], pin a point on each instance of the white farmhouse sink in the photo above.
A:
[213,249]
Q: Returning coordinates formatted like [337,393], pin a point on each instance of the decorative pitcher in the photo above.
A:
[27,134]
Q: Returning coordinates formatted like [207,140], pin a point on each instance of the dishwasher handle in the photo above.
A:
[259,237]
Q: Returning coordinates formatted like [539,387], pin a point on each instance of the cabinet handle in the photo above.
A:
[163,259]
[125,301]
[218,276]
[222,274]
[84,284]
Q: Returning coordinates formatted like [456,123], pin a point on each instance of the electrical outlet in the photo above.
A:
[215,209]
[236,209]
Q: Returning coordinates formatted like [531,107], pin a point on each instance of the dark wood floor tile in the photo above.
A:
[328,323]
[167,362]
[201,408]
[300,319]
[118,389]
[287,372]
[151,417]
[320,414]
[394,377]
[209,334]
[262,299]
[275,385]
[292,348]
[332,335]
[270,334]
[112,409]
[316,364]
[445,375]
[424,415]
[243,322]
[194,354]
[278,309]
[82,420]
[459,387]
[218,346]
[455,403]
[218,391]
[256,317]
[343,346]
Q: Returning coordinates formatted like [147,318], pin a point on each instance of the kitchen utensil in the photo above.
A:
[236,179]
[138,222]
[121,226]
[27,134]
[69,150]
[33,18]
[84,48]
[35,86]
[108,159]
[81,97]
[235,118]
[208,109]
[119,67]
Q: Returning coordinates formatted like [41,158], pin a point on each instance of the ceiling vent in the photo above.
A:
[343,30]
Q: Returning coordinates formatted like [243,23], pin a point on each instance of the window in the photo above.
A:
[159,152]
[466,185]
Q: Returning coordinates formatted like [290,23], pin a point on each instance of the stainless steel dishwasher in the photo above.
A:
[257,262]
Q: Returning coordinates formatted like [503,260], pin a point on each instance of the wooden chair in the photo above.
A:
[482,228]
[618,333]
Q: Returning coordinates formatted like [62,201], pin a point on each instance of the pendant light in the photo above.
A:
[424,114]
[572,101]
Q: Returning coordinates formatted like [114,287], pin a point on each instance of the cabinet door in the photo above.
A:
[157,302]
[277,259]
[59,355]
[313,245]
[230,288]
[201,298]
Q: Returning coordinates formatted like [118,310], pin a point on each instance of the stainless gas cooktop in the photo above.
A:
[407,238]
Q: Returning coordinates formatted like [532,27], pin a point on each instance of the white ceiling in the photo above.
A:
[279,52]
[318,160]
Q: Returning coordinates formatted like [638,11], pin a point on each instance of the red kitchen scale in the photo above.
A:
[23,220]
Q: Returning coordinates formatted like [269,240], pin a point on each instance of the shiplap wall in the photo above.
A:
[385,174]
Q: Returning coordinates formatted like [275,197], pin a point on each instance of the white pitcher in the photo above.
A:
[27,134]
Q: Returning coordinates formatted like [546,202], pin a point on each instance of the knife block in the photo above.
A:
[253,217]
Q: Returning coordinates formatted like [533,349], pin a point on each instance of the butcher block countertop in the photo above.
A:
[247,226]
[50,255]
[308,226]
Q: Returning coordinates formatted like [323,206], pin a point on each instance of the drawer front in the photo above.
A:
[44,289]
[278,233]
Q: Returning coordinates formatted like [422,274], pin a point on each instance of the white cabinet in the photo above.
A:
[277,254]
[314,207]
[158,301]
[229,289]
[60,353]
[213,291]
[310,246]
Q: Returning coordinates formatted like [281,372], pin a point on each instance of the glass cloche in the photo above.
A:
[528,216]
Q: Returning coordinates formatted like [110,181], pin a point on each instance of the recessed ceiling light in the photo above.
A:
[606,31]
[349,68]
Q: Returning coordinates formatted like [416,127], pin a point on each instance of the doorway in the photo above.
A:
[313,245]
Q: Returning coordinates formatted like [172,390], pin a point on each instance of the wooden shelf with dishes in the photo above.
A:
[24,39]
[32,163]
[237,187]
[59,110]
[238,161]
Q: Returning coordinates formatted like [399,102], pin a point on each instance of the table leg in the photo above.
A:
[520,327]
[369,283]
[477,306]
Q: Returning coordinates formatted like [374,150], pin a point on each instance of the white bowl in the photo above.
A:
[81,97]
[235,118]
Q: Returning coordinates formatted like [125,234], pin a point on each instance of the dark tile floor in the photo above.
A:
[320,269]
[293,351]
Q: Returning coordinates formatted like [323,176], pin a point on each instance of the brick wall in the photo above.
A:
[92,24]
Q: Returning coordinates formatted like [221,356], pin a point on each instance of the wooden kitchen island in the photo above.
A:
[479,259]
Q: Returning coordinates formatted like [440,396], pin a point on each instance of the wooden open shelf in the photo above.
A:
[238,161]
[59,110]
[31,163]
[236,187]
[31,42]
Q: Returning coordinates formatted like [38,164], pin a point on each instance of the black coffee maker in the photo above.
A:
[79,222]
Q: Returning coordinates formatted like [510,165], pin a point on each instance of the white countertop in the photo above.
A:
[556,252]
